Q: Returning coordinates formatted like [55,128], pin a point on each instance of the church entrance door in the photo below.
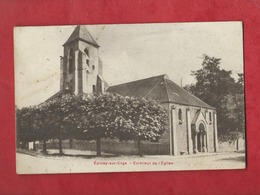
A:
[201,138]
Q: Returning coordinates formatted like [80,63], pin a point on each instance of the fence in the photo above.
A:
[111,146]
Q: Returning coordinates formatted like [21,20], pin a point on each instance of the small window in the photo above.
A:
[180,116]
[94,88]
[87,72]
[87,62]
[93,67]
[210,117]
[86,51]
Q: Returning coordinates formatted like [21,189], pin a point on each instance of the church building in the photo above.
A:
[192,125]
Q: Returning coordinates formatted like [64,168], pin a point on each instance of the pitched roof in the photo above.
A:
[56,95]
[83,34]
[159,88]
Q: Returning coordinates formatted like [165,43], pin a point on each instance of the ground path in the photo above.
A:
[76,161]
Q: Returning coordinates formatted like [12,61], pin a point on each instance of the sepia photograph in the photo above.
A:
[129,97]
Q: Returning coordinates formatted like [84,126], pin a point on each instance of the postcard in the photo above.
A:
[129,97]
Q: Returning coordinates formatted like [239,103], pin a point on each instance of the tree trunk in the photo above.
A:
[53,144]
[71,143]
[140,152]
[60,141]
[60,146]
[237,144]
[44,150]
[237,134]
[34,146]
[98,147]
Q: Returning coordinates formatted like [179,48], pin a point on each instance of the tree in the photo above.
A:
[96,118]
[92,117]
[114,116]
[42,125]
[219,89]
[239,104]
[32,125]
[240,83]
[55,116]
[140,119]
[24,127]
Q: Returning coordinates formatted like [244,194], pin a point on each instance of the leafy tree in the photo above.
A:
[236,114]
[219,89]
[24,126]
[48,120]
[42,124]
[141,119]
[114,116]
[95,116]
[55,117]
[92,118]
[32,124]
[240,83]
[240,113]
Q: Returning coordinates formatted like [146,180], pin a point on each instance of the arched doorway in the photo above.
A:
[200,138]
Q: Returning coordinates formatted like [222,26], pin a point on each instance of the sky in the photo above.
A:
[128,51]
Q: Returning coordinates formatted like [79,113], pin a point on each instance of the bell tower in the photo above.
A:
[81,67]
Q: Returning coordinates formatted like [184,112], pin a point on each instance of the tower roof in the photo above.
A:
[81,33]
[159,88]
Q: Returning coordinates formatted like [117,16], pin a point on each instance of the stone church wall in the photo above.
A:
[182,127]
[181,130]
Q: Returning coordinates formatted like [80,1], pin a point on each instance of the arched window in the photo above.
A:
[94,88]
[71,58]
[201,127]
[87,55]
[93,67]
[180,116]
[210,117]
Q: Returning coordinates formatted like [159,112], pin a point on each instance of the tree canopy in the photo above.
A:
[219,89]
[115,116]
[92,117]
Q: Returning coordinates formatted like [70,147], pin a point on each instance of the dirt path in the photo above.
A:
[84,161]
